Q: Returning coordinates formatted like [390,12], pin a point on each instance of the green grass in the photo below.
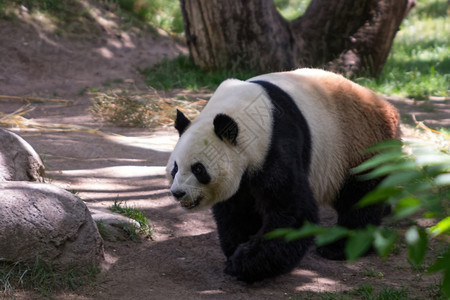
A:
[363,292]
[132,230]
[434,291]
[42,277]
[369,272]
[164,14]
[366,292]
[183,73]
[104,231]
[419,63]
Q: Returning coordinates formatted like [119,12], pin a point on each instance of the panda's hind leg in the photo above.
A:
[351,217]
[345,204]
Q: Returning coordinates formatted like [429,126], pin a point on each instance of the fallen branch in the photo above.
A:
[423,126]
[35,99]
[16,119]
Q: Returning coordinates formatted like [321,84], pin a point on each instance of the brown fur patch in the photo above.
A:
[364,117]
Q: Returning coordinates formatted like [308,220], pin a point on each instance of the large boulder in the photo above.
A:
[38,219]
[18,160]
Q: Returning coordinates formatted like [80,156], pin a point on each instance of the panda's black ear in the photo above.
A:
[226,128]
[181,122]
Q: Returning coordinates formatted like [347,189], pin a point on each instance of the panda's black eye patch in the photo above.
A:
[198,169]
[174,170]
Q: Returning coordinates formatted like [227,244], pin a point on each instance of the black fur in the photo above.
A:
[198,169]
[277,196]
[174,170]
[226,128]
[181,122]
[351,217]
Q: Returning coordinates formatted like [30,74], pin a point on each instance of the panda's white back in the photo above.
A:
[344,118]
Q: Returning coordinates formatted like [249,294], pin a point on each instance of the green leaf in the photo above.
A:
[330,235]
[421,186]
[432,203]
[406,206]
[442,227]
[433,159]
[401,166]
[442,180]
[402,178]
[446,283]
[429,214]
[443,264]
[384,241]
[306,230]
[379,160]
[385,145]
[358,244]
[417,244]
[436,170]
[378,195]
[278,233]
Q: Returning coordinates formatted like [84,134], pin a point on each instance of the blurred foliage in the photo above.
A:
[416,181]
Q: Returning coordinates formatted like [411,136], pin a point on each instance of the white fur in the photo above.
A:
[249,106]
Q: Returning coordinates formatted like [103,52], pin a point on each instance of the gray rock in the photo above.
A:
[45,220]
[18,160]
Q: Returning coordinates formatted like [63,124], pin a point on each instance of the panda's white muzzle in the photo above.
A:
[185,200]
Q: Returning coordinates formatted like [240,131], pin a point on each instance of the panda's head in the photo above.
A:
[205,166]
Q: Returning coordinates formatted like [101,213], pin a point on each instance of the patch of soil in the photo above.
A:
[184,259]
[36,61]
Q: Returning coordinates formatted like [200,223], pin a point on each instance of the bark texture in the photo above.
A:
[345,36]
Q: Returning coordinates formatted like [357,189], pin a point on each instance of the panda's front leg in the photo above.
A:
[236,220]
[261,258]
[281,200]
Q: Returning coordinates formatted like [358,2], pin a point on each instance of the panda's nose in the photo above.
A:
[178,194]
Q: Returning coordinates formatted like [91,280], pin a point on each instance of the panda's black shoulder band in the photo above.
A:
[289,123]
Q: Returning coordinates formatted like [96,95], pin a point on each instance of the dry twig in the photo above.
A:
[17,120]
[34,99]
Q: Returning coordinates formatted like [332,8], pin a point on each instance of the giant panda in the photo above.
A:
[264,153]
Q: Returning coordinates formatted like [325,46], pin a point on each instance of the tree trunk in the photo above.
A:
[344,36]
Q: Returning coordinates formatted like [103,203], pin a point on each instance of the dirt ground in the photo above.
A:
[184,259]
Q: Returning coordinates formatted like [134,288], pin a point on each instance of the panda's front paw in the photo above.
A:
[240,264]
[229,268]
[331,253]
